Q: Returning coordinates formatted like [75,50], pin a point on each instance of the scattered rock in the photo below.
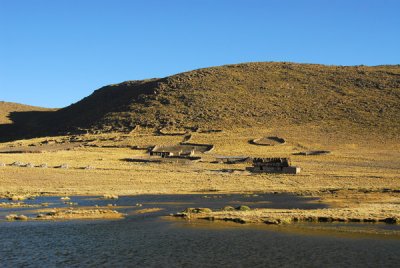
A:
[370,220]
[237,220]
[22,218]
[71,203]
[51,213]
[243,208]
[391,220]
[15,217]
[285,220]
[271,221]
[325,219]
[17,198]
[197,210]
[63,166]
[110,196]
[89,167]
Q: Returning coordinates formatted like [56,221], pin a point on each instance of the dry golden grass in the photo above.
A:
[387,213]
[357,162]
[79,214]
[344,206]
[70,214]
[20,205]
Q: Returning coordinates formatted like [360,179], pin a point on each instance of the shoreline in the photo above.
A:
[319,193]
[331,207]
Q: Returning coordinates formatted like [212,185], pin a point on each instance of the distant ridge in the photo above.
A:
[6,108]
[269,94]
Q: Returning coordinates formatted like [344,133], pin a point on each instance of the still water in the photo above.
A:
[150,240]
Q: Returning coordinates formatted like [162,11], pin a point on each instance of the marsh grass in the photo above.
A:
[367,213]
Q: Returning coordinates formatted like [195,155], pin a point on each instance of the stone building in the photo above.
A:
[171,151]
[273,165]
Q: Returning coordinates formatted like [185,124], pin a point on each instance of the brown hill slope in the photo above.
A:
[246,95]
[252,94]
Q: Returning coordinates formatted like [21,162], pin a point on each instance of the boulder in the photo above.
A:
[243,208]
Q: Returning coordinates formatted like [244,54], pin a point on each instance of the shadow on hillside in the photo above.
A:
[26,125]
[87,114]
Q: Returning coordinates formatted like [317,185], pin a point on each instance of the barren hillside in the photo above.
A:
[247,95]
[253,94]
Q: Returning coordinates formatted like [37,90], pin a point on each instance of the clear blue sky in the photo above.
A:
[54,52]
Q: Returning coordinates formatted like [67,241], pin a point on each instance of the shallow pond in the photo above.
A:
[150,240]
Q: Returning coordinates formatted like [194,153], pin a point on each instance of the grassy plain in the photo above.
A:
[359,179]
[358,162]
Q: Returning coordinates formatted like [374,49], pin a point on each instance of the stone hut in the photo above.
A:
[171,151]
[273,165]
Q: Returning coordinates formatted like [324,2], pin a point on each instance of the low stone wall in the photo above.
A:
[268,141]
[321,152]
[277,170]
